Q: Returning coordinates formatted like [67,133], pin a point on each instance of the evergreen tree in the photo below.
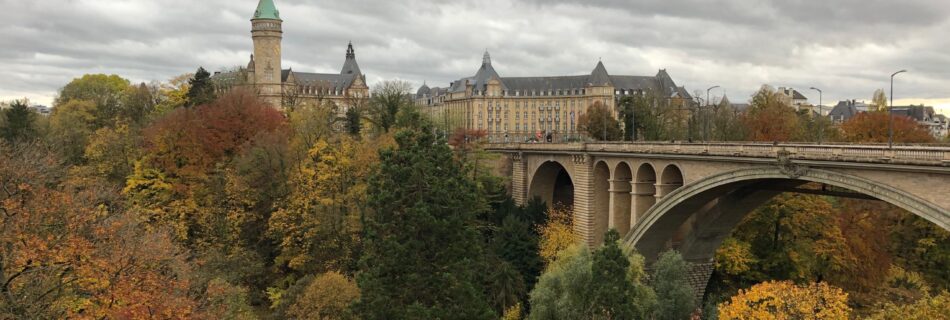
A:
[673,292]
[422,253]
[612,296]
[19,122]
[353,117]
[517,243]
[202,90]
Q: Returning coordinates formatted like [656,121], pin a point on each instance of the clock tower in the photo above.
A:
[267,33]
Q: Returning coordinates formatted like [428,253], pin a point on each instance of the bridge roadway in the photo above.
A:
[689,197]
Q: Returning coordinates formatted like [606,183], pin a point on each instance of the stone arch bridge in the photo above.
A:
[689,197]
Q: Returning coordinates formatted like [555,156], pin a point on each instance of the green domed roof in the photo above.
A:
[267,10]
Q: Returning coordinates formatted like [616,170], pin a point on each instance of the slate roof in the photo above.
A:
[528,85]
[545,83]
[322,80]
[600,77]
[844,110]
[918,113]
[350,66]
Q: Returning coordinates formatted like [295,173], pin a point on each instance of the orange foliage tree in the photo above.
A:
[770,117]
[873,127]
[189,141]
[785,300]
[69,250]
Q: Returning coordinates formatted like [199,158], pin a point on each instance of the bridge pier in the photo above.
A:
[698,276]
[620,206]
[519,179]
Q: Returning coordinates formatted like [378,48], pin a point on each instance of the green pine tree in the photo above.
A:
[517,243]
[202,90]
[353,118]
[19,122]
[422,252]
[612,296]
[673,292]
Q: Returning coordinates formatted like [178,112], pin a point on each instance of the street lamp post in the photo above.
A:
[890,119]
[706,118]
[821,128]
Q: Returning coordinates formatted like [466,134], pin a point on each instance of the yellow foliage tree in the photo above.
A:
[328,297]
[928,308]
[784,300]
[318,225]
[734,256]
[557,234]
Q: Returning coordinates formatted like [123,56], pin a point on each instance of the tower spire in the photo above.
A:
[266,10]
[350,53]
[486,59]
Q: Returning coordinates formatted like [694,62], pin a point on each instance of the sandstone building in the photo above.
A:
[521,108]
[285,87]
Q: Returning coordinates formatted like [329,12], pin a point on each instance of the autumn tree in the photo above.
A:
[600,123]
[785,300]
[930,307]
[557,234]
[201,89]
[189,141]
[19,122]
[107,93]
[112,152]
[725,123]
[873,127]
[138,103]
[770,117]
[318,226]
[170,95]
[224,300]
[68,248]
[420,236]
[328,297]
[879,101]
[71,125]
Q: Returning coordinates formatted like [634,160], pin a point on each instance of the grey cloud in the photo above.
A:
[847,47]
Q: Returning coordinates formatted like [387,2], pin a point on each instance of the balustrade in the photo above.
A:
[856,153]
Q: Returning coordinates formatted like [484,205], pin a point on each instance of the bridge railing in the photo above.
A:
[929,155]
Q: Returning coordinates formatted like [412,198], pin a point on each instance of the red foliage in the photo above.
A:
[771,123]
[458,138]
[191,140]
[873,127]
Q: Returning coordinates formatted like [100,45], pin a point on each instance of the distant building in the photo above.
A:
[847,109]
[285,87]
[519,108]
[923,115]
[796,99]
[738,107]
[41,109]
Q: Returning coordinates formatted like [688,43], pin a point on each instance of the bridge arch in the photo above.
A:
[553,183]
[601,216]
[644,192]
[717,204]
[670,180]
[620,202]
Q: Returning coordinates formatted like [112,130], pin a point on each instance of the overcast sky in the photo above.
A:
[848,48]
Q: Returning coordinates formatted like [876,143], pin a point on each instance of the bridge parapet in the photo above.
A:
[912,155]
